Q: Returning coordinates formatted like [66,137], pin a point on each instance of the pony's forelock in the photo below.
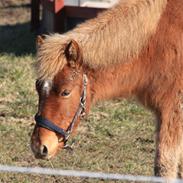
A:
[51,57]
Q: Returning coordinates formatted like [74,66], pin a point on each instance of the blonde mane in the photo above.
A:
[113,37]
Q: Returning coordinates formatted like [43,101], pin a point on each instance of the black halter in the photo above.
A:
[45,123]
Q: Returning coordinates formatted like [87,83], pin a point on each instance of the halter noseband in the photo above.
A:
[45,123]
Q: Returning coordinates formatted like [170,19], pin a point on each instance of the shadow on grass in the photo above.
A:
[17,39]
[27,5]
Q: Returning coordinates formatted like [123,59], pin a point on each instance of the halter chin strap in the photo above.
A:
[45,123]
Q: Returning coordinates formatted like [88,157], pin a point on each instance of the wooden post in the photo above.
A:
[59,17]
[52,15]
[35,14]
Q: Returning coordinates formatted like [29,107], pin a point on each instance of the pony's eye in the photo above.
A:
[65,93]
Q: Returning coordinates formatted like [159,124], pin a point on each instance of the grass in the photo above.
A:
[117,136]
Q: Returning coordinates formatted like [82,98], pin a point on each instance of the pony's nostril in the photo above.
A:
[44,150]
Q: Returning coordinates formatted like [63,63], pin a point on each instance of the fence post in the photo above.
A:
[35,14]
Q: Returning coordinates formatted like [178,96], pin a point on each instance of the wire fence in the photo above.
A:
[83,174]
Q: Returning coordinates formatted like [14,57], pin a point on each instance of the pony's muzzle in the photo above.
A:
[44,143]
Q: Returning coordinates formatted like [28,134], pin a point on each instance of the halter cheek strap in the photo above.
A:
[45,123]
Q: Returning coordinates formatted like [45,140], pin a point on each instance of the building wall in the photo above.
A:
[77,2]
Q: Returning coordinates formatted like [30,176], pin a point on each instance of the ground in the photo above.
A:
[117,136]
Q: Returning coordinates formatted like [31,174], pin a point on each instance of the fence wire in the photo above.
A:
[83,174]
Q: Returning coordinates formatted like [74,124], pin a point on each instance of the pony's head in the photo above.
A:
[62,97]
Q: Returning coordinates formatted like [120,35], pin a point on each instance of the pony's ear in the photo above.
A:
[73,53]
[40,40]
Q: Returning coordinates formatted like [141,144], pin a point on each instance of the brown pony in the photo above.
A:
[133,49]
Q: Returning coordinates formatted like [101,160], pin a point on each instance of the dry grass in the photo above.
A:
[118,136]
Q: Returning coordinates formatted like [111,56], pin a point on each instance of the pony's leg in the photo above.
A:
[168,148]
[180,172]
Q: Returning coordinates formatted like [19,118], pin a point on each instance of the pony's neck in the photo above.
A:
[118,33]
[114,81]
